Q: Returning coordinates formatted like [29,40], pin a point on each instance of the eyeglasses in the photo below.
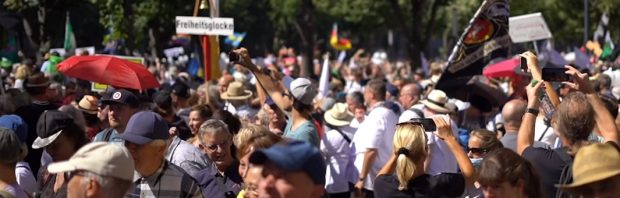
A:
[69,175]
[214,147]
[477,150]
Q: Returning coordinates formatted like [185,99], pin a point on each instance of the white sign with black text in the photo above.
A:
[204,25]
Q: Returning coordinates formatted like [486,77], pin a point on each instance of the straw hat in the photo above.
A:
[88,104]
[594,163]
[436,101]
[236,91]
[338,115]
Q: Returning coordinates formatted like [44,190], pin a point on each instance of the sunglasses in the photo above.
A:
[477,150]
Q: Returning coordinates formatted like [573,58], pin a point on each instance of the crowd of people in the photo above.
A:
[262,130]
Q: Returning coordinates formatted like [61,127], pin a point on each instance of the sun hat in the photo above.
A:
[89,104]
[338,115]
[436,101]
[236,91]
[37,80]
[50,125]
[294,156]
[101,158]
[594,163]
[303,91]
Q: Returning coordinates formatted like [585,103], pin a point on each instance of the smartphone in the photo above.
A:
[233,57]
[427,123]
[523,63]
[555,75]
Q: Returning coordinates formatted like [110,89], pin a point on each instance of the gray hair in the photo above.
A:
[212,126]
[110,187]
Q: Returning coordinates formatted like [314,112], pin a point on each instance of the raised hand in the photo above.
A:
[581,81]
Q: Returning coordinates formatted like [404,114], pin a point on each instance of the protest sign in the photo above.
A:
[204,25]
[529,27]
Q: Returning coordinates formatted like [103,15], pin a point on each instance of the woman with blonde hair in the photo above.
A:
[404,175]
[250,138]
[481,142]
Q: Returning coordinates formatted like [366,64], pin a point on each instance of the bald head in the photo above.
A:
[513,112]
[409,95]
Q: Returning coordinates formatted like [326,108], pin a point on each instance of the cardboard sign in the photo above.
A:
[204,25]
[98,87]
[529,27]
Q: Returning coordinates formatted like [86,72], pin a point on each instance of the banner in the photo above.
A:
[485,38]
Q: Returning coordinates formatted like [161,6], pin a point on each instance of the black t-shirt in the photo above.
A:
[548,164]
[30,114]
[442,185]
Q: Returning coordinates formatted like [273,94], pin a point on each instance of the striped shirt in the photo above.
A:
[167,182]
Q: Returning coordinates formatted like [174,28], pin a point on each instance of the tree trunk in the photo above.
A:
[305,28]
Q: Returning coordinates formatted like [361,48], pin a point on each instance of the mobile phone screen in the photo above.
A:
[523,64]
[427,123]
[555,75]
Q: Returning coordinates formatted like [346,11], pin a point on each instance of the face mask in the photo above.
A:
[476,162]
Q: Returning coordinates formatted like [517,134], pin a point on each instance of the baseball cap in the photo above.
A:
[16,124]
[121,96]
[50,125]
[101,158]
[180,89]
[594,163]
[294,156]
[144,127]
[303,91]
[12,149]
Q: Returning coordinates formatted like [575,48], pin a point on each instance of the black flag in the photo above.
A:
[485,38]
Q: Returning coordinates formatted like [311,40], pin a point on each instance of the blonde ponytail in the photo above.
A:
[410,142]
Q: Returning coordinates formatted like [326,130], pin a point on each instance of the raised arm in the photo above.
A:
[525,137]
[444,131]
[272,86]
[604,122]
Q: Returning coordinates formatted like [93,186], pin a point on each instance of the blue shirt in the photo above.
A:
[305,132]
[188,157]
[114,137]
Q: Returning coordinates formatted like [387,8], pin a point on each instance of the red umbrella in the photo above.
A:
[504,68]
[109,70]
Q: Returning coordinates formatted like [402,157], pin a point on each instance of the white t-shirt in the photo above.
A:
[377,131]
[16,191]
[337,153]
[441,158]
[25,177]
[549,137]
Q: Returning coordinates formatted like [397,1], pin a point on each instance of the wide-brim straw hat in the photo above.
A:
[338,115]
[236,91]
[436,101]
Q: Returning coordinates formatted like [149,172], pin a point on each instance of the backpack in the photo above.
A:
[567,172]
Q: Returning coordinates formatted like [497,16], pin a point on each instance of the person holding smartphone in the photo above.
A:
[404,175]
